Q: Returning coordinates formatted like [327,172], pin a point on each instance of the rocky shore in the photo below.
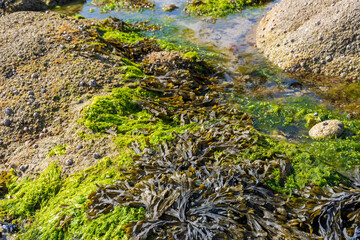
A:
[320,37]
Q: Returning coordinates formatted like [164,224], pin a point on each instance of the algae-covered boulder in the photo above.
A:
[33,5]
[327,129]
[313,36]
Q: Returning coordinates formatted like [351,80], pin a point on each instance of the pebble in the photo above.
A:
[42,135]
[23,168]
[302,64]
[316,114]
[34,75]
[36,146]
[44,90]
[79,147]
[20,56]
[31,93]
[96,155]
[45,130]
[327,129]
[81,83]
[92,83]
[69,162]
[6,122]
[9,111]
[25,129]
[62,47]
[16,92]
[36,114]
[328,59]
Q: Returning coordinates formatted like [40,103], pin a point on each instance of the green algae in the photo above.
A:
[314,162]
[119,113]
[58,150]
[27,196]
[111,5]
[63,215]
[131,72]
[219,8]
[126,37]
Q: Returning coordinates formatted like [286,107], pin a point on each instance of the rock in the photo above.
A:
[69,162]
[169,7]
[319,34]
[6,122]
[79,147]
[96,155]
[38,5]
[327,129]
[9,111]
[23,168]
[92,83]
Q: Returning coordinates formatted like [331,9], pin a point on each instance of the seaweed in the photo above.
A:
[191,192]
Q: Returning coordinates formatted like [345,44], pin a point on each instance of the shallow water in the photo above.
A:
[233,37]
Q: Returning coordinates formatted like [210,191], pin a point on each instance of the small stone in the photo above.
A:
[47,12]
[36,114]
[44,90]
[23,168]
[69,162]
[81,28]
[28,103]
[16,92]
[62,47]
[328,59]
[6,122]
[81,83]
[302,64]
[34,75]
[20,56]
[316,114]
[31,93]
[320,38]
[36,146]
[92,83]
[42,135]
[79,147]
[96,155]
[327,129]
[169,7]
[322,62]
[25,129]
[9,111]
[45,130]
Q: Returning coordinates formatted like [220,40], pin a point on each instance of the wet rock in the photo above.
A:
[169,7]
[321,30]
[69,162]
[327,129]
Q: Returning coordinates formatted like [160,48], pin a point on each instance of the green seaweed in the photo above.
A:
[58,150]
[27,196]
[219,8]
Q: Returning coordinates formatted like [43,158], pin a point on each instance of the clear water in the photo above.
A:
[233,37]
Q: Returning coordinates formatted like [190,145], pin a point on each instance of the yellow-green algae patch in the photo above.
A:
[219,8]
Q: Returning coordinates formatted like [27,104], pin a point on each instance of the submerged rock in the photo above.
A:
[315,36]
[327,129]
[169,7]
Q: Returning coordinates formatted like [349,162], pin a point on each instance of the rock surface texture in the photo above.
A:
[319,36]
[33,5]
[327,129]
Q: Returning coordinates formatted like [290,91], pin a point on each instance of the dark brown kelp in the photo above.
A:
[191,188]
